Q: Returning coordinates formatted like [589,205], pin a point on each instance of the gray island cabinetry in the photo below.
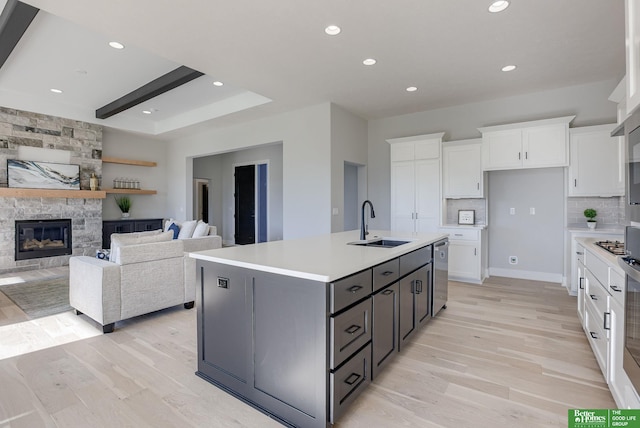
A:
[298,328]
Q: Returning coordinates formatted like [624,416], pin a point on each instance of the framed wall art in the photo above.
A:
[466,216]
[42,175]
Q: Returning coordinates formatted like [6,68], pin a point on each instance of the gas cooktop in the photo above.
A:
[614,247]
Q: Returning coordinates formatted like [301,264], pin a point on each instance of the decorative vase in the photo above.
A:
[591,225]
[125,215]
[93,182]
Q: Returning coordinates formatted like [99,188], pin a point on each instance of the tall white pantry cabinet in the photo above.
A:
[415,183]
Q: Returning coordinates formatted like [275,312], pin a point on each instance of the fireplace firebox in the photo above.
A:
[42,238]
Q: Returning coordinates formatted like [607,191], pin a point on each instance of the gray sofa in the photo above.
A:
[147,272]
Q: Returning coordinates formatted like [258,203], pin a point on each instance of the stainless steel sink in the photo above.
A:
[381,243]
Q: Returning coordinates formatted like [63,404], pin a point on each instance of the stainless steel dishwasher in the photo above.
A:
[440,276]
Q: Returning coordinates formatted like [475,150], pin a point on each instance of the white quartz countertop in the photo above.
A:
[607,257]
[322,258]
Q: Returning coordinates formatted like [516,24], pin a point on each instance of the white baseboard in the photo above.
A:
[524,274]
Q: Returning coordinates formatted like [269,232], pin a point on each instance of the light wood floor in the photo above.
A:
[509,353]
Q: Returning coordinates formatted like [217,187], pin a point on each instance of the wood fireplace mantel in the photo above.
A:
[7,192]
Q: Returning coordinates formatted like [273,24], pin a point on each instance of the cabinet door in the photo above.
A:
[580,274]
[596,167]
[385,326]
[464,260]
[427,195]
[502,149]
[462,171]
[146,225]
[545,146]
[407,307]
[422,294]
[402,196]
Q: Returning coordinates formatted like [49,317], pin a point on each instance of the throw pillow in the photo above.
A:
[202,229]
[168,223]
[175,229]
[186,230]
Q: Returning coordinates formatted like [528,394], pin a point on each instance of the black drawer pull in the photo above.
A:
[615,288]
[593,297]
[386,273]
[353,378]
[595,336]
[607,325]
[387,292]
[353,329]
[354,288]
[418,286]
[581,286]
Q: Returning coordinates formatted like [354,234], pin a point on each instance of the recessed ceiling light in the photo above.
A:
[369,61]
[217,83]
[412,89]
[116,45]
[146,111]
[81,72]
[508,68]
[332,30]
[56,91]
[498,6]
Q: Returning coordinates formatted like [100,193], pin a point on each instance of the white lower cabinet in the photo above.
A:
[467,254]
[602,300]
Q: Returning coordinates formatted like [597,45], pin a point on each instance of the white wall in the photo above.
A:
[535,239]
[348,144]
[306,174]
[588,102]
[126,145]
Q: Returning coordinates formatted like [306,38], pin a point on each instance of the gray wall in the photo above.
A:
[350,196]
[348,144]
[219,170]
[126,145]
[306,165]
[537,240]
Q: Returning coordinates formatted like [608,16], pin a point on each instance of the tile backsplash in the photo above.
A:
[453,205]
[610,210]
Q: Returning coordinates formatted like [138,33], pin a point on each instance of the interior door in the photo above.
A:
[245,204]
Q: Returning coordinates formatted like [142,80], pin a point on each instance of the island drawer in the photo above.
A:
[349,290]
[349,331]
[385,274]
[413,260]
[349,381]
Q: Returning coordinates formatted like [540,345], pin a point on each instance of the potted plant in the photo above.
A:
[590,214]
[124,203]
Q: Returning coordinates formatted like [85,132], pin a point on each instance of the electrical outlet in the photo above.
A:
[532,211]
[512,211]
[513,260]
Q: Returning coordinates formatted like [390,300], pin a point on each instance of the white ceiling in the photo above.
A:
[274,56]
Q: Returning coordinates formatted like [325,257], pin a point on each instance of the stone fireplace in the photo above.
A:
[83,142]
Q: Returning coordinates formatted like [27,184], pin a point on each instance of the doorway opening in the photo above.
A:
[201,192]
[251,197]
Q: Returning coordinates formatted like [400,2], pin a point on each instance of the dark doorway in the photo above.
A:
[205,202]
[245,204]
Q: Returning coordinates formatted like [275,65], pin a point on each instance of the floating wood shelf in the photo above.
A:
[108,159]
[10,192]
[132,191]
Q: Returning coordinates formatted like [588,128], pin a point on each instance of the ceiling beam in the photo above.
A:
[14,21]
[162,84]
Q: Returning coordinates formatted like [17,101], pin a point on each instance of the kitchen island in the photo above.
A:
[298,328]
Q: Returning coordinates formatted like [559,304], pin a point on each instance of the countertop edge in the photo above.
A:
[375,257]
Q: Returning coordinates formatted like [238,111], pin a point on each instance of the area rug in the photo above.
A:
[40,298]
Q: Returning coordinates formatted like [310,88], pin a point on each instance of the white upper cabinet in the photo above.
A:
[632,42]
[537,144]
[415,183]
[597,162]
[462,169]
